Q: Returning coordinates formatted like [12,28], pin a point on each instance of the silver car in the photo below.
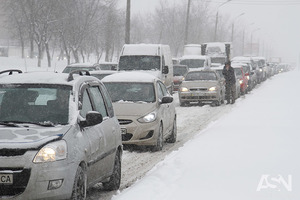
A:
[144,107]
[59,135]
[202,87]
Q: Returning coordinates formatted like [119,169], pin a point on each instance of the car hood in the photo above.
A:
[29,137]
[133,109]
[192,84]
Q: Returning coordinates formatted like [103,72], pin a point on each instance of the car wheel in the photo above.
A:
[160,140]
[115,179]
[80,185]
[173,136]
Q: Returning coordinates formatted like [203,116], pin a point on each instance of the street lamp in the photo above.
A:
[244,37]
[232,32]
[252,37]
[217,16]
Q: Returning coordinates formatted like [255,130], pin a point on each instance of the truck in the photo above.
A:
[155,59]
[219,52]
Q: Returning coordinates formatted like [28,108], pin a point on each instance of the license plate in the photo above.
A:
[123,131]
[6,179]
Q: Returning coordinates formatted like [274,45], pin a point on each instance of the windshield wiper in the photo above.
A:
[9,123]
[15,123]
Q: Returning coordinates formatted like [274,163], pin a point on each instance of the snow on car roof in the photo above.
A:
[130,77]
[40,78]
[104,72]
[87,64]
[193,57]
[141,49]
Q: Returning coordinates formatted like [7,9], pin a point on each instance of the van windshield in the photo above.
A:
[128,63]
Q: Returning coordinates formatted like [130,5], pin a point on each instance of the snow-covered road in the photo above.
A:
[249,153]
[241,151]
[136,163]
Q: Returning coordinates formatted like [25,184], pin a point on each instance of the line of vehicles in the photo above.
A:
[62,133]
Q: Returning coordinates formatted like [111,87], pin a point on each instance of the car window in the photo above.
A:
[195,76]
[86,104]
[108,101]
[98,101]
[132,92]
[35,104]
[160,91]
[164,89]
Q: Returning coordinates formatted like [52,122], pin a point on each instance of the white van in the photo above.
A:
[155,59]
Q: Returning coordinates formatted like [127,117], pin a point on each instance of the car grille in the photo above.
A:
[124,121]
[20,181]
[12,152]
[126,137]
[198,97]
[198,89]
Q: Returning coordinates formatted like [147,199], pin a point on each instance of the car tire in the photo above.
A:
[80,185]
[115,179]
[173,136]
[160,139]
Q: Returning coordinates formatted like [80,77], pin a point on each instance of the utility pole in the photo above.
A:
[127,28]
[187,22]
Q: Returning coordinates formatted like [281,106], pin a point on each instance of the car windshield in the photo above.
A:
[212,50]
[134,92]
[34,104]
[179,70]
[69,69]
[128,63]
[202,76]
[108,67]
[193,63]
[218,60]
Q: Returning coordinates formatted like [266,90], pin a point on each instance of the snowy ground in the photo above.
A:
[241,151]
[249,153]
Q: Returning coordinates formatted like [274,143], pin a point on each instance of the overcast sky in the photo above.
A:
[277,21]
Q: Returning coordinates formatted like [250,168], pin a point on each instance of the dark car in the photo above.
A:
[179,72]
[81,66]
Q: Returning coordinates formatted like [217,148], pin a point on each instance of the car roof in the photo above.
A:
[193,57]
[82,65]
[104,72]
[45,78]
[130,77]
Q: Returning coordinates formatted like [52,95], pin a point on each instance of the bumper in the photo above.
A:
[142,134]
[31,180]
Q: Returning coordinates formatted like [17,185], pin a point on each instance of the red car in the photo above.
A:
[179,72]
[241,76]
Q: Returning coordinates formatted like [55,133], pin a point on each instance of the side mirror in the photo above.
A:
[167,99]
[92,118]
[165,70]
[252,73]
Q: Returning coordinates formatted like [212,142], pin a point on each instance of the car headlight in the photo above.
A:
[52,152]
[260,70]
[248,77]
[184,89]
[148,118]
[212,89]
[241,81]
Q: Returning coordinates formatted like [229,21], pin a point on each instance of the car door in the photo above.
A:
[168,115]
[107,129]
[95,136]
